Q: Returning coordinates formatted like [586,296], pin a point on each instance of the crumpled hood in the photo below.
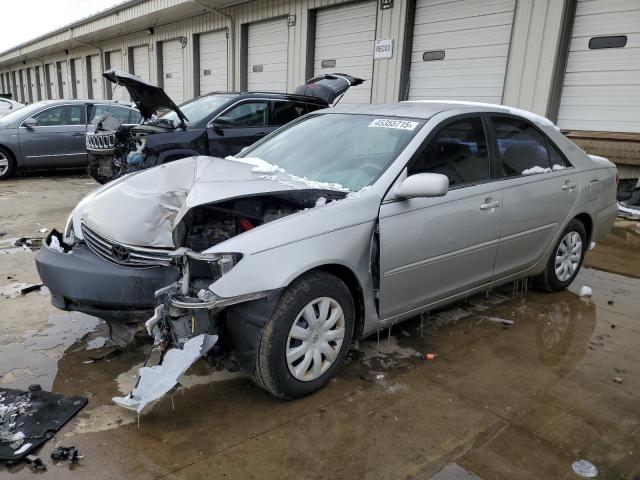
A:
[148,98]
[142,209]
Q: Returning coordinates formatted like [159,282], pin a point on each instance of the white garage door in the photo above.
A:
[141,62]
[172,68]
[344,43]
[460,49]
[267,56]
[66,81]
[213,62]
[79,78]
[33,86]
[601,89]
[118,92]
[53,81]
[96,78]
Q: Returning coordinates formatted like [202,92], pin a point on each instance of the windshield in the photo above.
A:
[20,113]
[350,150]
[199,108]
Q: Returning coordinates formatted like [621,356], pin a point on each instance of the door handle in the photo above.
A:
[489,204]
[569,185]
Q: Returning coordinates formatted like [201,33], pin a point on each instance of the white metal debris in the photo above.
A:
[585,469]
[585,291]
[158,380]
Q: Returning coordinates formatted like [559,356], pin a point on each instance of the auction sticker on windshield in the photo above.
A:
[388,123]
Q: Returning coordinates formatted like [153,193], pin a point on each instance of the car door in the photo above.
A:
[241,125]
[433,248]
[539,190]
[57,138]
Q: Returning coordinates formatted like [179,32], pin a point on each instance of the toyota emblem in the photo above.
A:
[120,253]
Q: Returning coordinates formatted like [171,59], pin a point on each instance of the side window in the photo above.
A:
[134,117]
[249,114]
[459,151]
[59,116]
[285,112]
[523,149]
[121,113]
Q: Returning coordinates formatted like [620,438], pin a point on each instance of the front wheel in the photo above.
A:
[7,164]
[307,337]
[566,259]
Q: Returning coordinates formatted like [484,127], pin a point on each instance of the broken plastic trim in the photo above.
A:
[216,302]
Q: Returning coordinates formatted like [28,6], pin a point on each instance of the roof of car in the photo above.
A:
[425,109]
[66,101]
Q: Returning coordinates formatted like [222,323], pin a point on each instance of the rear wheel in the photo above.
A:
[7,164]
[566,259]
[307,337]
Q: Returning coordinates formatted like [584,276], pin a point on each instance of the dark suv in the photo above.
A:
[216,124]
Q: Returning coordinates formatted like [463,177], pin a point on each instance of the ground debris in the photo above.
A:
[108,355]
[35,464]
[585,469]
[503,321]
[65,454]
[33,243]
[585,291]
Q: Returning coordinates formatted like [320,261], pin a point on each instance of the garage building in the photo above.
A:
[575,61]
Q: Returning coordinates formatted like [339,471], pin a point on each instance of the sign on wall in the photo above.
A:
[383,48]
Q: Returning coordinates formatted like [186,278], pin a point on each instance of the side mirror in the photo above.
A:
[224,122]
[423,185]
[30,122]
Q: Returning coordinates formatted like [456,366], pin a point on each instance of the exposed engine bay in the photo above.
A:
[115,149]
[190,320]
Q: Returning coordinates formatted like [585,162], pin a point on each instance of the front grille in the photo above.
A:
[101,141]
[123,254]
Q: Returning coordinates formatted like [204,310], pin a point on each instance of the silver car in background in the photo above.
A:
[51,133]
[341,223]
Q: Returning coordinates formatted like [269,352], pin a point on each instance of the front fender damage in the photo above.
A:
[190,321]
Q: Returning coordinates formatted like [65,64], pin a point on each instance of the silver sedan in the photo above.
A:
[339,224]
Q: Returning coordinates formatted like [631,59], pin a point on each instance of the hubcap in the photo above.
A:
[315,339]
[4,164]
[568,256]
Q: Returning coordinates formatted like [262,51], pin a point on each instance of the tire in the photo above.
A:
[7,164]
[572,239]
[305,297]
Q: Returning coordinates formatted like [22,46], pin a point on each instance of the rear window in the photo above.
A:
[524,150]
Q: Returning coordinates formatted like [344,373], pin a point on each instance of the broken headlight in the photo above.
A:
[69,236]
[205,269]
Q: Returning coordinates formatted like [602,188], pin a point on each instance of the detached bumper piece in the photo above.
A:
[154,382]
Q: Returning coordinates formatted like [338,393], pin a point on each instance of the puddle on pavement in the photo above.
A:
[35,359]
[554,317]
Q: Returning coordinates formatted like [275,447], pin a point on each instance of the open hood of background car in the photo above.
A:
[328,86]
[148,98]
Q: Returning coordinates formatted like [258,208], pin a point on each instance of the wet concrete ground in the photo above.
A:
[503,402]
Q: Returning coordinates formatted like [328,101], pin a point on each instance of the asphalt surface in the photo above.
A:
[520,401]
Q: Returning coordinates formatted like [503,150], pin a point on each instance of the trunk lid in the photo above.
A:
[148,98]
[328,86]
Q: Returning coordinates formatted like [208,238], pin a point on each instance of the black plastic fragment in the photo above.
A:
[35,464]
[65,454]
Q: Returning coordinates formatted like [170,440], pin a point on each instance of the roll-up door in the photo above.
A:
[96,77]
[118,92]
[212,49]
[172,70]
[79,78]
[344,41]
[460,49]
[53,81]
[601,88]
[140,57]
[64,75]
[267,44]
